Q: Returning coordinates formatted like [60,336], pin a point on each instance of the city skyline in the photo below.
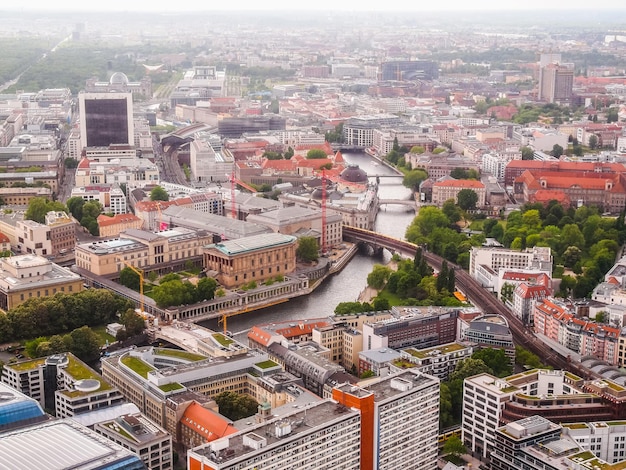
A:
[350,5]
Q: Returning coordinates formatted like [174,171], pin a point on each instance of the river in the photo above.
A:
[348,284]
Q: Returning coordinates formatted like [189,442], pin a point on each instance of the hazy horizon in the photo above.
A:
[40,6]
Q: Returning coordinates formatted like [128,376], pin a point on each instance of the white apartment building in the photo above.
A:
[134,173]
[315,437]
[495,164]
[496,258]
[359,130]
[484,397]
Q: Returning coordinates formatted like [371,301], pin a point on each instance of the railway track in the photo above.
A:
[480,297]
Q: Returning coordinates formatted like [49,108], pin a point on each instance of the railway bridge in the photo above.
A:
[480,297]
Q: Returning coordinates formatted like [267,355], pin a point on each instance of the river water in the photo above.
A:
[350,282]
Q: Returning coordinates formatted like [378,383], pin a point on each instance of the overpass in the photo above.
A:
[479,296]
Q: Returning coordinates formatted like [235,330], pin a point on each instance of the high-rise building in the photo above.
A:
[402,70]
[106,119]
[555,83]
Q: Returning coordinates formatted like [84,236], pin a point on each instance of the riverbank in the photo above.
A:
[369,293]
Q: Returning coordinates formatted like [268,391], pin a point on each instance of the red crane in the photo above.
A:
[323,211]
[233,184]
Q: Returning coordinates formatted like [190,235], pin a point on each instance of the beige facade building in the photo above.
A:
[56,236]
[23,277]
[113,226]
[145,250]
[255,258]
[22,196]
[62,232]
[297,220]
[450,189]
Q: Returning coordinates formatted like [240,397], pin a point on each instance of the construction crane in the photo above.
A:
[233,184]
[323,211]
[141,278]
[223,320]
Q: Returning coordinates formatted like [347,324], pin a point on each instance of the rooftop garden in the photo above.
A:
[575,425]
[613,386]
[444,349]
[266,364]
[189,356]
[571,376]
[170,387]
[403,364]
[79,371]
[583,456]
[223,340]
[121,431]
[27,365]
[137,365]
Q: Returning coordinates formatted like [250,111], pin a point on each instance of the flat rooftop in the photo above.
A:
[302,421]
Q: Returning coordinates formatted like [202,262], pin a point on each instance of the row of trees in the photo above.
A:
[83,342]
[60,313]
[86,212]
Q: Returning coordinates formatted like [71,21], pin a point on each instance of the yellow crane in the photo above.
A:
[141,278]
[224,318]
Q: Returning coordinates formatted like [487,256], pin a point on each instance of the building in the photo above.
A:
[409,70]
[56,236]
[144,250]
[516,168]
[18,409]
[63,444]
[256,258]
[106,118]
[23,277]
[112,198]
[62,383]
[450,189]
[136,433]
[556,82]
[490,331]
[316,437]
[493,259]
[62,232]
[371,427]
[109,227]
[119,83]
[296,220]
[359,130]
[415,327]
[208,164]
[440,165]
[21,196]
[605,191]
[399,420]
[439,361]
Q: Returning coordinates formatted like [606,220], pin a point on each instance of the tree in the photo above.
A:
[134,323]
[418,149]
[496,359]
[307,250]
[557,150]
[378,277]
[593,141]
[506,293]
[174,292]
[159,194]
[75,206]
[414,178]
[70,162]
[130,279]
[314,154]
[468,367]
[38,207]
[92,209]
[467,199]
[454,446]
[84,344]
[205,289]
[601,317]
[236,406]
[459,174]
[527,153]
[452,211]
[346,308]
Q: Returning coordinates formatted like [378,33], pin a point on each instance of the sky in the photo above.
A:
[330,5]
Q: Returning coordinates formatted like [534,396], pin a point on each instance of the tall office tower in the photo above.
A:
[399,420]
[106,119]
[556,82]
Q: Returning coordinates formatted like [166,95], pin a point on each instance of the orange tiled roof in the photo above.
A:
[207,423]
[106,221]
[152,206]
[4,238]
[301,329]
[459,184]
[259,335]
[83,164]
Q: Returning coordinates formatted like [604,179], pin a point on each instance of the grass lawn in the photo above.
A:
[103,335]
[393,299]
[137,365]
[180,354]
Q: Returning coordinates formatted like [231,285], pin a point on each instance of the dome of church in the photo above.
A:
[354,174]
[119,78]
